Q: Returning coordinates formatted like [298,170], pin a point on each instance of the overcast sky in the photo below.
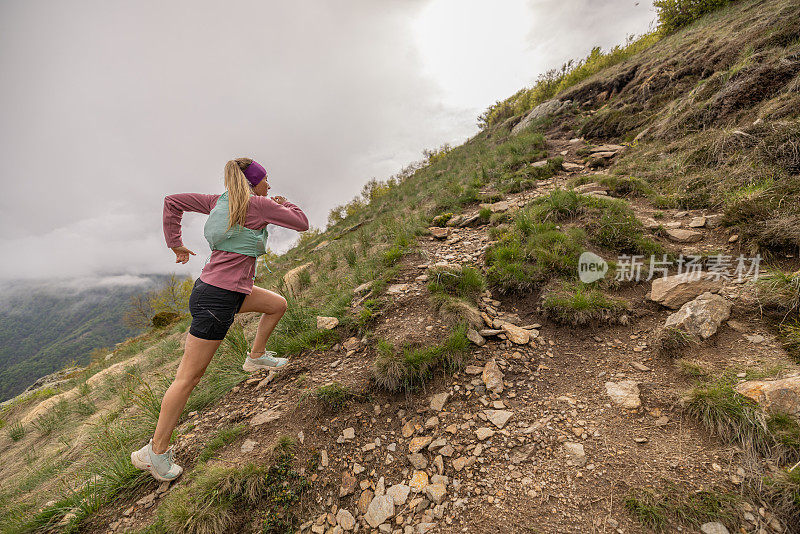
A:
[108,106]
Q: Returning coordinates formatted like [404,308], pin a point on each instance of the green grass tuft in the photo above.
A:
[146,398]
[626,186]
[16,431]
[657,510]
[693,370]
[522,149]
[782,492]
[410,366]
[576,303]
[532,253]
[224,499]
[459,281]
[350,257]
[456,310]
[54,419]
[332,397]
[610,223]
[671,341]
[85,407]
[441,220]
[367,313]
[613,226]
[790,332]
[392,255]
[224,437]
[643,507]
[736,418]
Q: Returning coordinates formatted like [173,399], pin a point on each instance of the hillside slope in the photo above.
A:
[471,382]
[44,326]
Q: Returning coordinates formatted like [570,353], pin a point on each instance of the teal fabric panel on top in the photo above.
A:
[238,239]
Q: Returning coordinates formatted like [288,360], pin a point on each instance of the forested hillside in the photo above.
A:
[44,326]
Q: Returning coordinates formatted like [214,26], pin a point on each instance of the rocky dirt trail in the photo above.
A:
[546,430]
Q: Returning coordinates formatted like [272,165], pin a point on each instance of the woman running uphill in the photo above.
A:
[236,230]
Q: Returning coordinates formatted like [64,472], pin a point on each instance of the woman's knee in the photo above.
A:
[187,382]
[280,305]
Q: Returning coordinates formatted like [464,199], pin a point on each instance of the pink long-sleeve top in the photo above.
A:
[230,270]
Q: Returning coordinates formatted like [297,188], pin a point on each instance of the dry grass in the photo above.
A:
[782,491]
[224,499]
[657,510]
[672,341]
[738,419]
[780,290]
[454,310]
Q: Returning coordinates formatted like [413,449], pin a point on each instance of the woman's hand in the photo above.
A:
[279,199]
[182,254]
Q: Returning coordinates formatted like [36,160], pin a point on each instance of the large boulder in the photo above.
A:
[700,317]
[292,280]
[675,291]
[549,107]
[778,396]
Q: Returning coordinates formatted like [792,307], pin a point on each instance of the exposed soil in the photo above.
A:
[521,480]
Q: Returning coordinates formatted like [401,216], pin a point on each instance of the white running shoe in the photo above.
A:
[265,361]
[161,466]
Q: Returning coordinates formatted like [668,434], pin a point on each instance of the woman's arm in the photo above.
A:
[266,211]
[175,205]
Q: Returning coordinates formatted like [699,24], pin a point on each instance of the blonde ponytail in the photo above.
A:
[239,191]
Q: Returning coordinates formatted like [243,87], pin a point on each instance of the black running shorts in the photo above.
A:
[213,310]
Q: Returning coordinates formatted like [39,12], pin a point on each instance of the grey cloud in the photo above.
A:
[108,106]
[568,30]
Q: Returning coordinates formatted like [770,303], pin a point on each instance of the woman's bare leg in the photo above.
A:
[273,306]
[196,356]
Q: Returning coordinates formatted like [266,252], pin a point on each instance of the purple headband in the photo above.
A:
[254,173]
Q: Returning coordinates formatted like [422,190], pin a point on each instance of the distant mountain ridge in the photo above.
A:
[46,324]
